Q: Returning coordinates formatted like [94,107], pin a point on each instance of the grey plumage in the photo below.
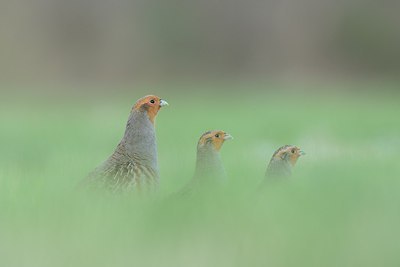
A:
[278,167]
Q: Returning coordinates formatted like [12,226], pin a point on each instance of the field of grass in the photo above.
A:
[341,207]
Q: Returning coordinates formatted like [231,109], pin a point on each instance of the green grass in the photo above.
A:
[340,209]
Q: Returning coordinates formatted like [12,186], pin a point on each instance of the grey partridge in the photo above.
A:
[133,166]
[209,168]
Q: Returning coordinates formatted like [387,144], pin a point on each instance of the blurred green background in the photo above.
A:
[340,209]
[322,75]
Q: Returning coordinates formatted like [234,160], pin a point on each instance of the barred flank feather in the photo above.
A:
[126,176]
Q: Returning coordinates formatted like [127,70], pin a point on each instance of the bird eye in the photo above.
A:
[217,135]
[293,150]
[152,101]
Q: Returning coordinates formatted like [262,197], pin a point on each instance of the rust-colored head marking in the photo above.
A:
[214,139]
[288,152]
[151,104]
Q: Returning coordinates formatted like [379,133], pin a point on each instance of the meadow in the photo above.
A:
[341,207]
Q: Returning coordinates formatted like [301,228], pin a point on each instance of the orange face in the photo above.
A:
[151,104]
[215,138]
[290,153]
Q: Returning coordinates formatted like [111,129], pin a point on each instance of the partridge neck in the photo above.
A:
[209,165]
[139,139]
[279,168]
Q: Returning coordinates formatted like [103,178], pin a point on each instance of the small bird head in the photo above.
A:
[213,139]
[288,153]
[150,104]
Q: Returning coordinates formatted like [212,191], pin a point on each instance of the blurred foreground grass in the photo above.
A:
[340,209]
